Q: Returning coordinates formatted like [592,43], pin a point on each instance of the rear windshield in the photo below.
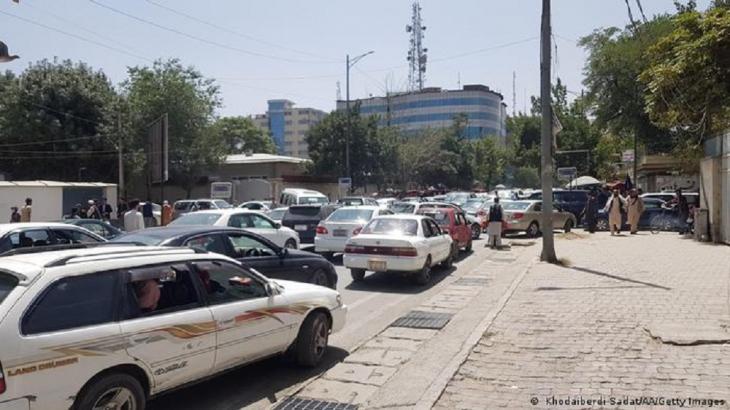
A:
[516,205]
[301,211]
[351,215]
[276,213]
[182,206]
[472,205]
[408,227]
[197,219]
[147,239]
[403,208]
[351,201]
[7,284]
[313,200]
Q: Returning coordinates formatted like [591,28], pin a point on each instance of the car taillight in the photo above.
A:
[404,251]
[357,231]
[354,249]
[3,387]
[321,230]
[517,215]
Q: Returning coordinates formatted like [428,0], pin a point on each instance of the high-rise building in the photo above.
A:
[434,108]
[289,126]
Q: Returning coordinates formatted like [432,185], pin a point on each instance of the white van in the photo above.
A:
[296,196]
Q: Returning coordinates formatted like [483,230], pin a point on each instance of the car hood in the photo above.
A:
[299,292]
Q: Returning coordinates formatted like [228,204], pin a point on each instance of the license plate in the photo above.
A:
[377,266]
[339,232]
[300,227]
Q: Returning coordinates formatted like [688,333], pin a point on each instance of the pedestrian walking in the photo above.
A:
[14,215]
[25,212]
[590,212]
[683,209]
[614,209]
[92,212]
[636,208]
[494,225]
[148,214]
[166,214]
[133,219]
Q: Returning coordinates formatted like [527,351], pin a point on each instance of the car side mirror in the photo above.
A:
[271,289]
[283,252]
[277,225]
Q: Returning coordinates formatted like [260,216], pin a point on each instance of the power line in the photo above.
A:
[196,38]
[66,33]
[234,32]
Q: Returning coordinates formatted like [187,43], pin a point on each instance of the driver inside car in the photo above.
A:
[148,295]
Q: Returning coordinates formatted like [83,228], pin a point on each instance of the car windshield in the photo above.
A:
[351,215]
[403,207]
[515,205]
[390,226]
[197,218]
[472,205]
[313,200]
[221,204]
[7,284]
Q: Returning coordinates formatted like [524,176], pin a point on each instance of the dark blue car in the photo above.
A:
[652,208]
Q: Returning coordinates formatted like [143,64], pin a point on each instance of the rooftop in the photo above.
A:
[40,183]
[263,159]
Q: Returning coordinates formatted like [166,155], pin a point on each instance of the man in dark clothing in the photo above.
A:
[14,215]
[590,212]
[148,214]
[494,226]
[105,209]
[683,209]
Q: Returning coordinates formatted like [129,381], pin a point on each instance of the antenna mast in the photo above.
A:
[416,53]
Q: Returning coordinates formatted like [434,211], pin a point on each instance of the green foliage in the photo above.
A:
[190,101]
[526,177]
[53,123]
[687,74]
[240,134]
[489,161]
[524,140]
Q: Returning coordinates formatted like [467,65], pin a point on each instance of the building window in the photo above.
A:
[287,122]
[304,121]
[287,112]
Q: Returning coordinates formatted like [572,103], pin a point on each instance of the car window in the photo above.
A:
[515,205]
[537,208]
[221,204]
[30,238]
[261,223]
[426,228]
[7,284]
[160,289]
[95,228]
[182,206]
[226,283]
[74,302]
[441,217]
[351,215]
[212,243]
[65,236]
[435,229]
[195,218]
[277,214]
[391,226]
[313,200]
[246,246]
[403,208]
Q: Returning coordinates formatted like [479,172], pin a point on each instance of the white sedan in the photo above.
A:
[241,218]
[341,225]
[410,244]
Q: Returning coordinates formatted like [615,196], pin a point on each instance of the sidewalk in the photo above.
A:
[631,316]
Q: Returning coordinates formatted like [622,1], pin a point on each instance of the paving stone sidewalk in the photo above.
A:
[632,316]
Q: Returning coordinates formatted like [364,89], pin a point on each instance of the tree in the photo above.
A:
[240,134]
[526,177]
[489,162]
[190,101]
[55,123]
[524,140]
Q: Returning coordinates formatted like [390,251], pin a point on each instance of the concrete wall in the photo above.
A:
[711,194]
[47,200]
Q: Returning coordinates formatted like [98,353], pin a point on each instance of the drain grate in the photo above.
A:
[423,320]
[296,403]
[471,281]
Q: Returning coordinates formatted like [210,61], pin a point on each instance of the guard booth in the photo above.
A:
[53,199]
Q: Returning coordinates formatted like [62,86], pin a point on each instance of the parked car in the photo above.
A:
[474,224]
[385,203]
[296,196]
[100,227]
[111,327]
[408,244]
[478,208]
[277,214]
[356,200]
[304,219]
[693,198]
[572,201]
[342,224]
[454,222]
[184,206]
[459,198]
[652,208]
[253,221]
[524,216]
[262,206]
[246,247]
[43,234]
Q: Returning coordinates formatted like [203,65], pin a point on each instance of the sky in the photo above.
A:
[272,49]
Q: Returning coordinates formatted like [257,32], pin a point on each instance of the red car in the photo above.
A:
[454,222]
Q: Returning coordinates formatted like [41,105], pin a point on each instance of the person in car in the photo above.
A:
[148,295]
[636,208]
[614,209]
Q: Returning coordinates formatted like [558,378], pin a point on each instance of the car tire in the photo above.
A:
[319,277]
[448,263]
[423,276]
[290,244]
[357,274]
[476,231]
[101,392]
[533,230]
[468,246]
[602,224]
[568,226]
[312,340]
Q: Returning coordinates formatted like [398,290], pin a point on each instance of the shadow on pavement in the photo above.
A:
[608,275]
[242,387]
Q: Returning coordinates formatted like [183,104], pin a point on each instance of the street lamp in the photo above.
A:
[349,64]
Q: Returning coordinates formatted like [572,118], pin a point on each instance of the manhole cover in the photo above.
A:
[423,320]
[471,281]
[296,403]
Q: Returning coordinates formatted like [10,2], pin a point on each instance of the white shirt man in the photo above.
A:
[133,220]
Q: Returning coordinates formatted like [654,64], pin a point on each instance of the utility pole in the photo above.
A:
[348,64]
[120,157]
[546,139]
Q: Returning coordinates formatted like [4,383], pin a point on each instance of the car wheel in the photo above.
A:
[602,224]
[424,275]
[114,391]
[290,244]
[476,231]
[568,225]
[533,230]
[357,274]
[468,246]
[312,339]
[449,262]
[319,277]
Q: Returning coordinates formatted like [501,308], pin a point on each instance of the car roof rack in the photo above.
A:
[51,248]
[64,260]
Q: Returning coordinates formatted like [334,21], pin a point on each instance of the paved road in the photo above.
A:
[373,305]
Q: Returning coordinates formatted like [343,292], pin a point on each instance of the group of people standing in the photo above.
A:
[141,215]
[93,210]
[23,214]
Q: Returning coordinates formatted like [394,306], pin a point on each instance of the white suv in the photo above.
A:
[107,327]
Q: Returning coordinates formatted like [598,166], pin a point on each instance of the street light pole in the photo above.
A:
[348,64]
[546,140]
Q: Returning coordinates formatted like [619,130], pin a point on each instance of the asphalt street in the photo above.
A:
[373,305]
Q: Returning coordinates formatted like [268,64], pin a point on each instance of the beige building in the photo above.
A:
[288,126]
